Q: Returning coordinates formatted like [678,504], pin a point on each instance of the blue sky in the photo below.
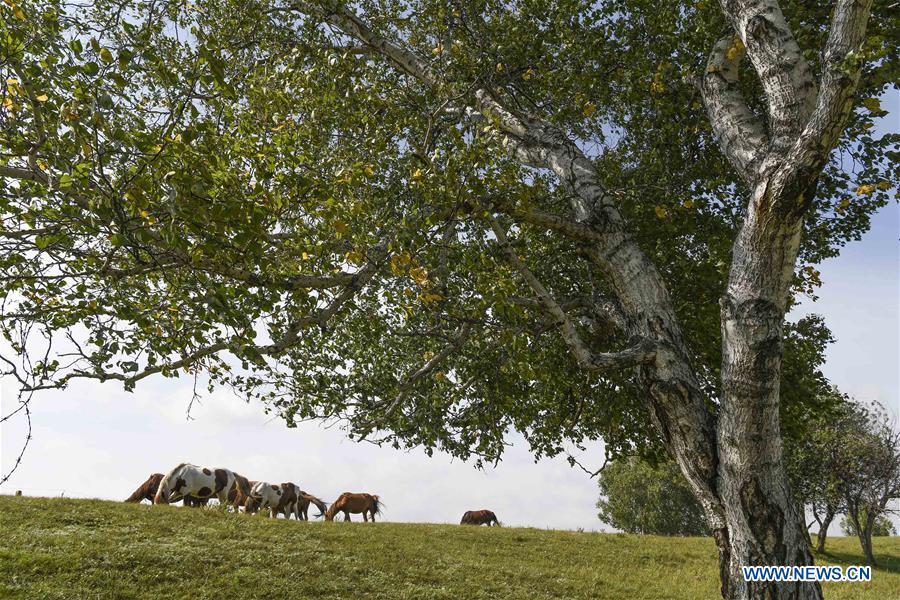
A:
[95,440]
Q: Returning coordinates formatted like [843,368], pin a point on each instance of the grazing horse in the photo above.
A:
[200,482]
[303,502]
[148,489]
[348,502]
[479,517]
[277,498]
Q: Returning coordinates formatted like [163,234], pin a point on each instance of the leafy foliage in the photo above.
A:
[881,528]
[638,497]
[244,193]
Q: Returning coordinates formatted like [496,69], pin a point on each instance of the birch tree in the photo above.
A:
[439,222]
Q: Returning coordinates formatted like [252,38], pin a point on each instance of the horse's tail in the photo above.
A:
[162,494]
[377,504]
[241,488]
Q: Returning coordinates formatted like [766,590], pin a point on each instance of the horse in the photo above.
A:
[148,489]
[479,517]
[277,498]
[303,502]
[201,483]
[348,502]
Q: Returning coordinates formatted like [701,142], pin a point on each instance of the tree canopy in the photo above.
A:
[245,191]
[638,497]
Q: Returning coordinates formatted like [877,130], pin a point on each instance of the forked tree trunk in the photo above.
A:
[864,530]
[824,524]
[765,525]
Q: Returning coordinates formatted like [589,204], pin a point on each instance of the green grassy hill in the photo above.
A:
[62,548]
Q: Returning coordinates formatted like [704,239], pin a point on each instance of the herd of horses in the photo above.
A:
[196,486]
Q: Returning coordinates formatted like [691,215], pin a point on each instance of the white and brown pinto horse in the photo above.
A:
[200,482]
[348,502]
[281,499]
[148,489]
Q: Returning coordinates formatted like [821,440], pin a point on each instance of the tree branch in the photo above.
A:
[840,77]
[785,74]
[641,353]
[740,133]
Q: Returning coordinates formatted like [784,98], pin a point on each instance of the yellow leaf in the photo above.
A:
[419,275]
[305,256]
[428,355]
[499,67]
[437,49]
[417,174]
[528,74]
[42,98]
[354,256]
[688,204]
[589,109]
[105,55]
[873,104]
[866,189]
[428,297]
[883,185]
[661,211]
[734,51]
[341,227]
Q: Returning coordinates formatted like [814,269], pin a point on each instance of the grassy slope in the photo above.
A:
[61,548]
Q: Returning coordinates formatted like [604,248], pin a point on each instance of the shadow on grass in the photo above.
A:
[886,562]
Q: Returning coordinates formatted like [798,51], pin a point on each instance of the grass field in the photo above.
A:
[63,548]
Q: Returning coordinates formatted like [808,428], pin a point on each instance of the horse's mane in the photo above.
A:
[332,510]
[322,506]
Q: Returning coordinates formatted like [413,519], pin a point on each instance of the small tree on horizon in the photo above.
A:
[868,470]
[639,497]
[881,527]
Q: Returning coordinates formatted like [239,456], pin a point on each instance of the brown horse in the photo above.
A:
[304,500]
[148,489]
[479,517]
[348,502]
